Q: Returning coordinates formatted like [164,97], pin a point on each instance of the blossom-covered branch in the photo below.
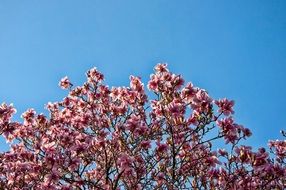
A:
[117,138]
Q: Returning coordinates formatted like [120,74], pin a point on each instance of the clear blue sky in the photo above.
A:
[234,49]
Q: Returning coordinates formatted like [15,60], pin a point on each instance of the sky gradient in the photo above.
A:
[233,49]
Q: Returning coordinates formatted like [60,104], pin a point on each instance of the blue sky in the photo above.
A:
[234,49]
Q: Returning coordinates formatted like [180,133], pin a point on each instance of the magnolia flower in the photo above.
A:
[65,83]
[225,106]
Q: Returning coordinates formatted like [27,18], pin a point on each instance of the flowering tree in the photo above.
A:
[102,138]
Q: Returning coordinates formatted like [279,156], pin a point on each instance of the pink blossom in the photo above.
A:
[161,147]
[225,106]
[136,84]
[94,75]
[65,83]
[161,67]
[189,92]
[145,145]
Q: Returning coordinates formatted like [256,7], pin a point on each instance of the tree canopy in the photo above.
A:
[119,138]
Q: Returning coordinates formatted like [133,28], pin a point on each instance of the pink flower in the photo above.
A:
[6,112]
[160,178]
[29,116]
[225,106]
[161,148]
[145,144]
[201,102]
[279,146]
[189,92]
[65,83]
[176,108]
[54,175]
[136,84]
[229,129]
[153,84]
[161,67]
[141,130]
[125,163]
[177,81]
[94,75]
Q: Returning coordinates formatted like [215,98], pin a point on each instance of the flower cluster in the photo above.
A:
[117,138]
